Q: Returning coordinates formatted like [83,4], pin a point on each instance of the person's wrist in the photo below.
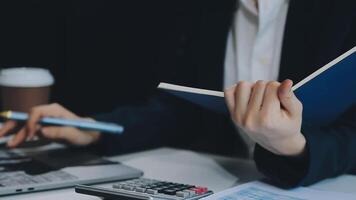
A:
[293,146]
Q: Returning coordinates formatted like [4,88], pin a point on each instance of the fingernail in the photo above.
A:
[231,87]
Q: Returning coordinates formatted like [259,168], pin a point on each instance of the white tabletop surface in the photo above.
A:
[183,166]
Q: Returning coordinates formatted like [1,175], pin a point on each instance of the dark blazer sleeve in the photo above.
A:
[161,120]
[331,151]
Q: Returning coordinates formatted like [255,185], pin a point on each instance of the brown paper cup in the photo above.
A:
[24,88]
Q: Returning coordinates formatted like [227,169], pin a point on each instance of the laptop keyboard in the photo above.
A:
[18,178]
[11,175]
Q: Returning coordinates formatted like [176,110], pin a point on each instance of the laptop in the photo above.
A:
[58,168]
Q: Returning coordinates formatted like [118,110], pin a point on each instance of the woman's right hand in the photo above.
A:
[31,128]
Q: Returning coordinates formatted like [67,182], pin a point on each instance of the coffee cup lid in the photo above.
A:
[26,77]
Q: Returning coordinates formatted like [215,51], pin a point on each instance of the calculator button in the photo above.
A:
[139,189]
[163,189]
[189,186]
[155,185]
[128,187]
[181,188]
[151,191]
[183,194]
[117,186]
[199,190]
[191,192]
[202,189]
[169,192]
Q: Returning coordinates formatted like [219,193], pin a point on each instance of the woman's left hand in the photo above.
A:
[269,113]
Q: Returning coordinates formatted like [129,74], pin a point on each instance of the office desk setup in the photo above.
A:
[214,171]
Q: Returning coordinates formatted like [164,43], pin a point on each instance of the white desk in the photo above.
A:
[244,169]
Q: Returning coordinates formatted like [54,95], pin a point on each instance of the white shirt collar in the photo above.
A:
[250,5]
[267,8]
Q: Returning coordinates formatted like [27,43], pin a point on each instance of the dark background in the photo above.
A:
[108,53]
[101,52]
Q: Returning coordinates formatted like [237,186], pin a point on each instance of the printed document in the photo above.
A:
[261,191]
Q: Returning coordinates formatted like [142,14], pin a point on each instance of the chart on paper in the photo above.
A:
[261,191]
[253,193]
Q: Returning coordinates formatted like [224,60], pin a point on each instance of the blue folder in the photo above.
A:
[325,94]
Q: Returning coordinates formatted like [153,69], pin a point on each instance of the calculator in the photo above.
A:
[146,189]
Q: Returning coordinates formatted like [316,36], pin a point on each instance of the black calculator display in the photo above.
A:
[149,189]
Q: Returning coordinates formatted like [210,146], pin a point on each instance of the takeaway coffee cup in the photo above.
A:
[22,88]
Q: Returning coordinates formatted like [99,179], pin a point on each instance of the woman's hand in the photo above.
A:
[269,113]
[31,128]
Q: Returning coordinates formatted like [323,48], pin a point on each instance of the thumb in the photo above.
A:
[287,98]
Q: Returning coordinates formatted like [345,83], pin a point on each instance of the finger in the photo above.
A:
[32,123]
[242,98]
[56,110]
[230,98]
[256,98]
[287,98]
[7,127]
[19,138]
[37,129]
[270,100]
[69,134]
[52,132]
